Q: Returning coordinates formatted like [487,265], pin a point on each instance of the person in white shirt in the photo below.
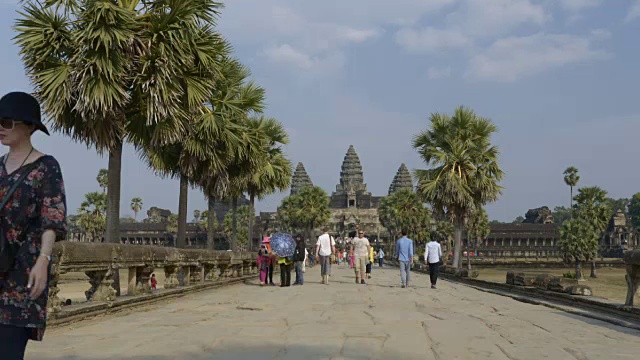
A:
[325,246]
[361,248]
[432,257]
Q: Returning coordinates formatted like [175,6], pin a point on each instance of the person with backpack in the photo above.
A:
[298,258]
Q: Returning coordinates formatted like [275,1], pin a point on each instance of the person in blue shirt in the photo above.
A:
[404,254]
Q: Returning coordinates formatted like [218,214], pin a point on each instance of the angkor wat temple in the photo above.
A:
[352,206]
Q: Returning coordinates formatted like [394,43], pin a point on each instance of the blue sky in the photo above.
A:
[558,77]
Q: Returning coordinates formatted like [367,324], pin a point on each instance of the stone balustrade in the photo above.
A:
[182,267]
[632,261]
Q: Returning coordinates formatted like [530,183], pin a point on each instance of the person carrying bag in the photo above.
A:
[32,218]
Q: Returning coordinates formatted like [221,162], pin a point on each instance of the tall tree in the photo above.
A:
[571,178]
[579,240]
[307,210]
[464,171]
[91,215]
[103,179]
[593,207]
[618,204]
[136,206]
[477,231]
[561,214]
[634,211]
[273,171]
[243,215]
[104,70]
[405,210]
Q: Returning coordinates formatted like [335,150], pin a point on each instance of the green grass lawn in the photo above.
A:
[609,284]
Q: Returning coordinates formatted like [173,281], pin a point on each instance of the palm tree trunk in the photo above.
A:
[571,202]
[234,224]
[211,222]
[579,275]
[112,230]
[593,268]
[252,200]
[457,245]
[182,212]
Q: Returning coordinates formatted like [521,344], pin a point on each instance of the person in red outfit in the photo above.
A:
[154,282]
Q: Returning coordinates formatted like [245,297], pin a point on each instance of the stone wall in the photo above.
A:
[100,262]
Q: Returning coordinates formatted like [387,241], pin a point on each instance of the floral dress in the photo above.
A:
[38,204]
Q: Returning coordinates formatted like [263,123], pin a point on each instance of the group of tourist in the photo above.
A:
[360,251]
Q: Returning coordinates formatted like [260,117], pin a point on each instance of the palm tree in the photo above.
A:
[571,178]
[593,206]
[103,179]
[464,171]
[136,206]
[104,70]
[273,171]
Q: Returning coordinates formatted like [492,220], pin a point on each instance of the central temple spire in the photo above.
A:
[351,176]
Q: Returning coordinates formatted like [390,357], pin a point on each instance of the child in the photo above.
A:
[285,271]
[154,282]
[263,264]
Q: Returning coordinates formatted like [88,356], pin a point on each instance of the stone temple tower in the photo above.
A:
[300,179]
[402,180]
[351,191]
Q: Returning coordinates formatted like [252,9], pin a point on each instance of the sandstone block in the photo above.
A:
[524,280]
[561,284]
[542,281]
[579,290]
[511,275]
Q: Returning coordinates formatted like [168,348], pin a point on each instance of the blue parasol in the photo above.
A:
[283,244]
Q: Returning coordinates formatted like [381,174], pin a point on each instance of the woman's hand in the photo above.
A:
[38,277]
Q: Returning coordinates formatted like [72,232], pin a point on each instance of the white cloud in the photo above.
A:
[512,58]
[286,54]
[289,56]
[357,35]
[578,5]
[430,39]
[634,11]
[601,34]
[438,73]
[486,18]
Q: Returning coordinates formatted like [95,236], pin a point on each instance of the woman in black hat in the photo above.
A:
[32,218]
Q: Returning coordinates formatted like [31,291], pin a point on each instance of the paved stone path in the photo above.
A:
[341,321]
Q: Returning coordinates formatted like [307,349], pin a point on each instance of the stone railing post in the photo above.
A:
[54,303]
[101,285]
[139,277]
[170,276]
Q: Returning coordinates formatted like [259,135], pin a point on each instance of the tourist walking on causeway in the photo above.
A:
[404,254]
[325,246]
[380,257]
[369,262]
[299,257]
[432,257]
[32,218]
[361,248]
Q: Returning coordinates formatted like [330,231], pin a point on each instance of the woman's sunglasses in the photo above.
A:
[8,124]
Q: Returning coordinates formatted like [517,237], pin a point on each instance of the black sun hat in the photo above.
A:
[20,106]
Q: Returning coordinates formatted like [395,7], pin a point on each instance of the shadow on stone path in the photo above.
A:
[341,321]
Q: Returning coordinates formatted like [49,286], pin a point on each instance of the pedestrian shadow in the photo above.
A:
[600,323]
[256,352]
